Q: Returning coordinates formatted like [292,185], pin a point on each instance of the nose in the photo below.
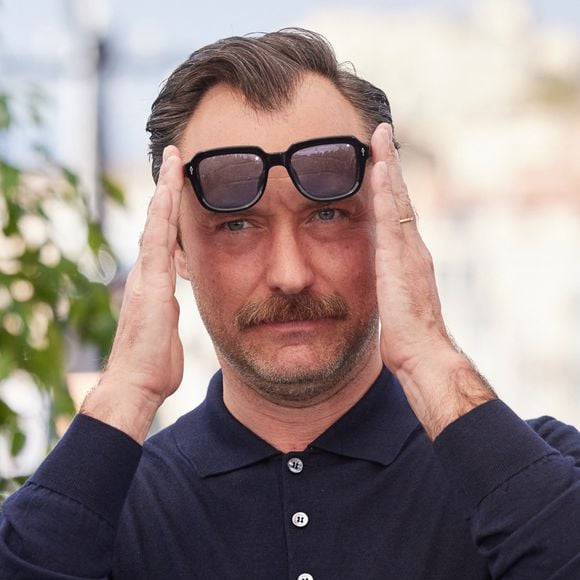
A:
[289,264]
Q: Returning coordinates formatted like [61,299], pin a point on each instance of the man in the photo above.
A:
[346,435]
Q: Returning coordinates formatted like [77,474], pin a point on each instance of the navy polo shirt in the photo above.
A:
[370,498]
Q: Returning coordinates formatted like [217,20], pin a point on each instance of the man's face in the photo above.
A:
[283,258]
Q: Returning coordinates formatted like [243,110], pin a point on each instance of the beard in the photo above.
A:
[294,382]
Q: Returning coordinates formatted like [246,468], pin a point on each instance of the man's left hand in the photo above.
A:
[440,382]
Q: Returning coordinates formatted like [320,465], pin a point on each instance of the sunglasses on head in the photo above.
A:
[234,178]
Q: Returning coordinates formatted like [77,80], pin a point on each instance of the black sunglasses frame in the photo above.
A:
[270,160]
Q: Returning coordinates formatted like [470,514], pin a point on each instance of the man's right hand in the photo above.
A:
[146,362]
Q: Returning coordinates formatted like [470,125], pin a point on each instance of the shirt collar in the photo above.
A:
[214,440]
[375,429]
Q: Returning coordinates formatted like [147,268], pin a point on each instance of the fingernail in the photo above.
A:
[165,153]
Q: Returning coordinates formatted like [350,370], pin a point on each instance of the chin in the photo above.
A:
[296,389]
[298,377]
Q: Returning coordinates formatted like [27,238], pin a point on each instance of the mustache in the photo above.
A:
[291,308]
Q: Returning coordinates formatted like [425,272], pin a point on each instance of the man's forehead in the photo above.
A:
[224,118]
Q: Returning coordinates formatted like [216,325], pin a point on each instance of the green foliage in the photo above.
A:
[4,113]
[112,190]
[45,292]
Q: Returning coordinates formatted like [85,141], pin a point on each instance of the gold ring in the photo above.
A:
[406,220]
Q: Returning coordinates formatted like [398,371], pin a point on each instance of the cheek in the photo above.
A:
[351,260]
[360,286]
[218,298]
[361,275]
[218,270]
[222,282]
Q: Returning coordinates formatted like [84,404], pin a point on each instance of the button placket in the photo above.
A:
[297,486]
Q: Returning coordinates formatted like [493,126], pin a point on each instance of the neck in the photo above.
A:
[292,428]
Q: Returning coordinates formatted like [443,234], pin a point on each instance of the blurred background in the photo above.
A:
[486,102]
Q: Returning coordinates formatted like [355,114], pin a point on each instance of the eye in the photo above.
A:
[236,225]
[327,214]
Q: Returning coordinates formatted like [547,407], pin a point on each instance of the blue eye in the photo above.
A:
[327,214]
[236,225]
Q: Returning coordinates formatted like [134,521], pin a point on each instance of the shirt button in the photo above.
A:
[295,465]
[306,577]
[300,519]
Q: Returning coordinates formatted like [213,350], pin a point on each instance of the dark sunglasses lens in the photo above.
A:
[326,171]
[230,181]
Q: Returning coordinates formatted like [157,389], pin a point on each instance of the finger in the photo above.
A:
[154,254]
[383,148]
[389,231]
[171,174]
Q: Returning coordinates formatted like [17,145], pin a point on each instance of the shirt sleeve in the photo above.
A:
[519,485]
[61,524]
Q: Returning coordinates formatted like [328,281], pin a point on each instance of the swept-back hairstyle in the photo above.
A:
[266,69]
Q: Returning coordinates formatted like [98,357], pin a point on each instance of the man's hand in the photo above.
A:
[440,382]
[146,361]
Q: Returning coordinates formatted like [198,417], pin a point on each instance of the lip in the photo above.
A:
[295,326]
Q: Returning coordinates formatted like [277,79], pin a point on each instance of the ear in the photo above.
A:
[181,263]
